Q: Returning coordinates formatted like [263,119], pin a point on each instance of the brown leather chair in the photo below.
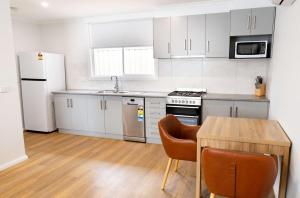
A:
[238,174]
[179,142]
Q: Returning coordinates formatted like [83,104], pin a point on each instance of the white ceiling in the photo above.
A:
[67,9]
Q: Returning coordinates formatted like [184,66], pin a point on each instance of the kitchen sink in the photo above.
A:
[119,92]
[112,91]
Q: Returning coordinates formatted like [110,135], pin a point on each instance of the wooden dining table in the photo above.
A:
[247,135]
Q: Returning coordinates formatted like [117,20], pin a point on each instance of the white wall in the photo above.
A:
[284,85]
[11,132]
[217,75]
[27,35]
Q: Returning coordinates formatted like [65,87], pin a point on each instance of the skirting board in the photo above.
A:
[91,134]
[13,162]
[153,140]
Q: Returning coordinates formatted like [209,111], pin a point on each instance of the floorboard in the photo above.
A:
[62,165]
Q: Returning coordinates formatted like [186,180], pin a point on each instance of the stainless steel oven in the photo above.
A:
[190,115]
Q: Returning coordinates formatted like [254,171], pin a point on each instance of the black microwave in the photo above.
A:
[251,49]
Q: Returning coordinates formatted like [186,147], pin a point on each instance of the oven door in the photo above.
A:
[251,49]
[190,115]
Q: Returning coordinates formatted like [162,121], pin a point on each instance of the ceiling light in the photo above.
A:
[45,4]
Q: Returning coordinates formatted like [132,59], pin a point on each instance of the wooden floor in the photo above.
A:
[61,165]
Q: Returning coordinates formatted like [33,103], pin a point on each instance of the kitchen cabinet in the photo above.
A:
[256,21]
[155,110]
[179,36]
[263,21]
[240,109]
[96,114]
[162,37]
[188,36]
[217,35]
[71,112]
[92,114]
[113,115]
[63,112]
[196,35]
[245,109]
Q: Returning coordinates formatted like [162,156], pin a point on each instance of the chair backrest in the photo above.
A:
[170,126]
[238,174]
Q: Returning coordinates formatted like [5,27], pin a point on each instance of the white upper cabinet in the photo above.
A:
[257,21]
[240,22]
[162,37]
[262,21]
[179,40]
[217,35]
[113,115]
[196,35]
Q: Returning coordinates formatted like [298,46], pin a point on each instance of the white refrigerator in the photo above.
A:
[41,73]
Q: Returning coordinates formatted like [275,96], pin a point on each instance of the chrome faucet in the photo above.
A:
[116,83]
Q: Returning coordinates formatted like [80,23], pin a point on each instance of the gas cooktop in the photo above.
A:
[186,96]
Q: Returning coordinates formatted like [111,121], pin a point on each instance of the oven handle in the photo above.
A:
[185,116]
[183,107]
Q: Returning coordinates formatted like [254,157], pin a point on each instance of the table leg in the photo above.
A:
[284,173]
[198,170]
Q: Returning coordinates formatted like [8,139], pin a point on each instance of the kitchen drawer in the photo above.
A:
[156,103]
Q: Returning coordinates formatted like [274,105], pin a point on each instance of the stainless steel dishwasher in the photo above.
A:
[134,119]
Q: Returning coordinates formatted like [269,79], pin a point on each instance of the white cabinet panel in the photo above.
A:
[196,35]
[162,37]
[179,34]
[63,112]
[79,112]
[217,35]
[217,108]
[113,115]
[155,109]
[240,22]
[245,109]
[262,21]
[95,115]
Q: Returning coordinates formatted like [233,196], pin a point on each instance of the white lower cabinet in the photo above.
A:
[89,115]
[96,114]
[71,111]
[113,115]
[239,109]
[155,110]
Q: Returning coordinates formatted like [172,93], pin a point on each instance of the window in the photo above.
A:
[127,61]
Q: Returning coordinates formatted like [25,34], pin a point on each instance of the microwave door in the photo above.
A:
[251,49]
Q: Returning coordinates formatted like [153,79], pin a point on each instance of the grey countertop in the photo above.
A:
[209,96]
[131,93]
[234,97]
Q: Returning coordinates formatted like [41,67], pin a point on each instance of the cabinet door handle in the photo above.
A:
[71,101]
[101,104]
[207,46]
[230,111]
[169,48]
[248,23]
[105,105]
[236,112]
[185,47]
[68,103]
[190,44]
[254,23]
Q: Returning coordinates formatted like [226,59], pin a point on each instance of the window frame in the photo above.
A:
[124,76]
